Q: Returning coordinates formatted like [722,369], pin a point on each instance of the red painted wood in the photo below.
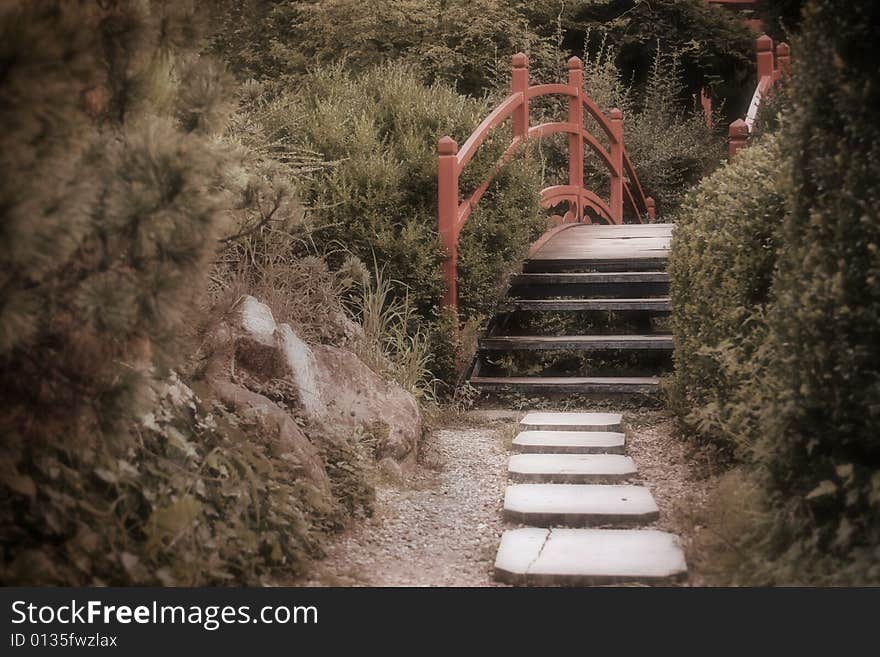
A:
[617,160]
[737,135]
[452,213]
[575,141]
[447,214]
[771,69]
[765,56]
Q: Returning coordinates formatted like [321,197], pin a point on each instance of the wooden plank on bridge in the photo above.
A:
[576,342]
[595,242]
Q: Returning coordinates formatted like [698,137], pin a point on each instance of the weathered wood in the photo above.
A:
[550,285]
[659,304]
[583,278]
[609,264]
[570,384]
[625,243]
[576,342]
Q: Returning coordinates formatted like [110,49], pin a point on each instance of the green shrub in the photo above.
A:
[724,252]
[112,216]
[715,47]
[375,196]
[820,449]
[805,388]
[109,229]
[670,148]
[459,42]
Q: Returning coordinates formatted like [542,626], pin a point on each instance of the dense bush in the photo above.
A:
[723,257]
[670,147]
[459,42]
[716,49]
[375,195]
[821,445]
[811,386]
[116,190]
[112,212]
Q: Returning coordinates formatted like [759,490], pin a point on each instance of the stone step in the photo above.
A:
[571,421]
[580,557]
[569,442]
[579,505]
[570,468]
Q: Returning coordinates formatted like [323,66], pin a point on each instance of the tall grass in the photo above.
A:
[394,344]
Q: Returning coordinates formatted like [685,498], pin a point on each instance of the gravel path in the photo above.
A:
[677,475]
[439,527]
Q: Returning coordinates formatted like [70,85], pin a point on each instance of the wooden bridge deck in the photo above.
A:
[586,245]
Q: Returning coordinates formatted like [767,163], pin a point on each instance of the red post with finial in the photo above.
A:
[447,215]
[519,83]
[616,153]
[765,56]
[651,207]
[737,135]
[783,58]
[575,140]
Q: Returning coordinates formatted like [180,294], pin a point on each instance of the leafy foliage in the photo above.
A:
[375,196]
[802,401]
[716,50]
[671,148]
[452,41]
[107,238]
[724,252]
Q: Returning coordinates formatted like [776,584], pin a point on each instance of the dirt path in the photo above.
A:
[439,527]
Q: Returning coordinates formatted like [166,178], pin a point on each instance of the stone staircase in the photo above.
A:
[587,315]
[583,517]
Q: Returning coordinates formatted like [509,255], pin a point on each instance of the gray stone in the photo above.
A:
[570,468]
[572,421]
[332,387]
[288,440]
[579,505]
[580,557]
[569,442]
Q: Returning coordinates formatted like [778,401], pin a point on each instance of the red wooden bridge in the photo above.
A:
[592,262]
[625,190]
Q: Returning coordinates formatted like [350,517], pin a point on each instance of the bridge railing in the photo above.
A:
[770,70]
[625,189]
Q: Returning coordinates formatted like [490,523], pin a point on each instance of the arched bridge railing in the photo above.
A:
[625,190]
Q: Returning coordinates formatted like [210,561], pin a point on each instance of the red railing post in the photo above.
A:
[576,141]
[447,215]
[651,208]
[706,105]
[765,56]
[783,58]
[616,153]
[519,83]
[737,135]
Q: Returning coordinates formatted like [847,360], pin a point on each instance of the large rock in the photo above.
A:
[290,443]
[333,386]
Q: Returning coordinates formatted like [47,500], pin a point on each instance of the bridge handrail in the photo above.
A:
[625,187]
[770,71]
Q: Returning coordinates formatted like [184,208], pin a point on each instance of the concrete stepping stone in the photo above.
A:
[570,468]
[571,421]
[579,505]
[580,557]
[569,442]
